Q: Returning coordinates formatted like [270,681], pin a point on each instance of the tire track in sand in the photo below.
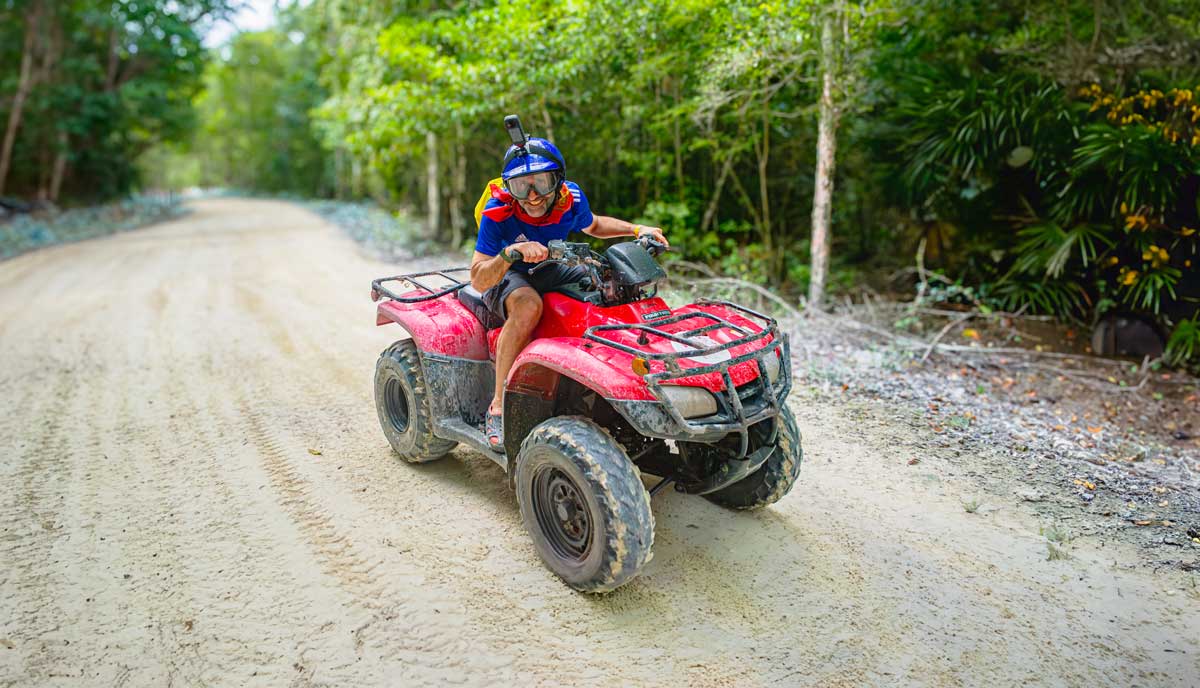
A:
[421,636]
[30,511]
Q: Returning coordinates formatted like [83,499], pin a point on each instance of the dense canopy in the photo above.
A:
[1041,155]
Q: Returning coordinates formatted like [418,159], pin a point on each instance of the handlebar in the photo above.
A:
[653,246]
[565,253]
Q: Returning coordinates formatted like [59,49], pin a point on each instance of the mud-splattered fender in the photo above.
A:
[531,390]
[442,326]
[600,368]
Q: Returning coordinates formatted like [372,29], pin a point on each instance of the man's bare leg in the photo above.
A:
[524,308]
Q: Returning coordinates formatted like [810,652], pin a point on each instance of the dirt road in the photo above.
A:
[195,491]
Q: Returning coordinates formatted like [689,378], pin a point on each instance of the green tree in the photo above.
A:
[94,85]
[255,131]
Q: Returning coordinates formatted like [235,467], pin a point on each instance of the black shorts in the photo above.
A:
[545,280]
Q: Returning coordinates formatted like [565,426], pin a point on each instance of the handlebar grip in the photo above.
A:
[512,252]
[653,246]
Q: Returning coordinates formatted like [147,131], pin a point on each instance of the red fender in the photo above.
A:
[576,358]
[442,326]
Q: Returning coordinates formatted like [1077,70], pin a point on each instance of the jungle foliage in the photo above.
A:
[87,86]
[1041,154]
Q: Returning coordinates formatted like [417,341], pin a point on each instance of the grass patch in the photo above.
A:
[1055,553]
[971,505]
[1056,534]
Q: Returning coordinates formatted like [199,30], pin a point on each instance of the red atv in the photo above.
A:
[613,381]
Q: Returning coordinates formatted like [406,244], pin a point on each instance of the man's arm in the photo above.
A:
[605,227]
[487,271]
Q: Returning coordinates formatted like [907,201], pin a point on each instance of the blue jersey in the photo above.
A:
[496,236]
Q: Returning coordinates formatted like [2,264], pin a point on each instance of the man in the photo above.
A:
[534,205]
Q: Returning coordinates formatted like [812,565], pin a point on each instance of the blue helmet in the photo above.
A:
[538,155]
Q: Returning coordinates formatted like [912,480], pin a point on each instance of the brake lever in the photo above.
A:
[548,261]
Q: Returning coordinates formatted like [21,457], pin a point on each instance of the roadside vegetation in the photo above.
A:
[28,231]
[1033,157]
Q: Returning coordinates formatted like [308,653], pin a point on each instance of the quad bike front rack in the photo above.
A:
[739,421]
[379,291]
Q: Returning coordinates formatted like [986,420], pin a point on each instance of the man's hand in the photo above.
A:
[531,251]
[655,232]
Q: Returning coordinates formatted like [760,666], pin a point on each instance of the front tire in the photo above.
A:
[774,478]
[584,505]
[402,402]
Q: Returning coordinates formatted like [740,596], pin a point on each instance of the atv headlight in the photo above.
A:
[692,402]
[771,363]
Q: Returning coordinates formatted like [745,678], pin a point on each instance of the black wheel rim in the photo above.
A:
[395,403]
[562,513]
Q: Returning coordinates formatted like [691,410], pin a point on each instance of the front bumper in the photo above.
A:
[738,407]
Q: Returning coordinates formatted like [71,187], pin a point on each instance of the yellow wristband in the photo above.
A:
[637,230]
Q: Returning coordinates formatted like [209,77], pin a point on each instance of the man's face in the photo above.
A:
[536,205]
[538,192]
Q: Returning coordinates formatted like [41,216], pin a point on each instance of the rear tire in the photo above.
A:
[774,478]
[401,399]
[584,505]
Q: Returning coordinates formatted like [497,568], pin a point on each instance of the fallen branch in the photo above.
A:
[743,284]
[957,321]
[993,315]
[1096,382]
[695,267]
[1031,353]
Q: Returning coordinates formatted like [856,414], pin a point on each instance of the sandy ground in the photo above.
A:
[164,519]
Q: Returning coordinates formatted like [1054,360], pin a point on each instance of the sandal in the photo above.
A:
[493,428]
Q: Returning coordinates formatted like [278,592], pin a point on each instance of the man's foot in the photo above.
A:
[493,427]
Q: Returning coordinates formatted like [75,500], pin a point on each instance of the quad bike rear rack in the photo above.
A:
[738,420]
[379,291]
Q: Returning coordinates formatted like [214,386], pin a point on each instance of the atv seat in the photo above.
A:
[473,300]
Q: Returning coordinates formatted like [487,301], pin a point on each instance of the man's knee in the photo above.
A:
[524,306]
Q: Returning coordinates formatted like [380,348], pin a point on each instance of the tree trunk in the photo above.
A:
[60,166]
[458,188]
[710,212]
[24,84]
[339,173]
[549,122]
[764,156]
[114,61]
[678,140]
[657,143]
[356,177]
[823,188]
[432,191]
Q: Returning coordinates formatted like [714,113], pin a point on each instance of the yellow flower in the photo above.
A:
[1124,208]
[1114,260]
[1187,231]
[1136,222]
[1128,276]
[1157,256]
[1187,263]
